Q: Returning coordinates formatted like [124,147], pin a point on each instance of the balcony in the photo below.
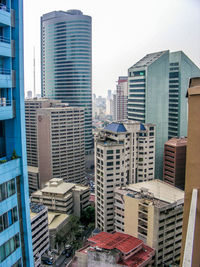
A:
[5,15]
[5,78]
[5,47]
[7,109]
[12,168]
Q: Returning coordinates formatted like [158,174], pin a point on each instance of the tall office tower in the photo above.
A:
[121,99]
[174,162]
[181,70]
[15,227]
[29,94]
[66,62]
[153,212]
[148,85]
[61,146]
[124,153]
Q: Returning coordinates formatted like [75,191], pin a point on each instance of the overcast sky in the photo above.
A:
[122,33]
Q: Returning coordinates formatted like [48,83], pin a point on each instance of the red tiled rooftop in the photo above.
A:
[123,242]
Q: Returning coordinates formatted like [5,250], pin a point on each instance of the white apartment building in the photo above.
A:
[40,231]
[153,212]
[124,153]
[63,197]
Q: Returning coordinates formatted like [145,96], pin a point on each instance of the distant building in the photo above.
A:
[33,179]
[63,197]
[181,69]
[148,99]
[117,249]
[174,162]
[120,99]
[153,212]
[66,62]
[55,141]
[124,153]
[29,94]
[40,231]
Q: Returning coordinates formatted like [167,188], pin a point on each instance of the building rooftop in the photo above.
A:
[160,190]
[116,127]
[57,186]
[123,244]
[148,59]
[56,219]
[35,208]
[177,141]
[33,169]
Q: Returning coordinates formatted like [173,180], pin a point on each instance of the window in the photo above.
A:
[9,247]
[109,163]
[8,218]
[109,157]
[7,189]
[109,151]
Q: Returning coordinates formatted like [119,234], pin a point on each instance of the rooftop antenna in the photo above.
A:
[34,93]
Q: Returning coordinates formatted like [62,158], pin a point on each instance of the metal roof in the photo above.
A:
[116,127]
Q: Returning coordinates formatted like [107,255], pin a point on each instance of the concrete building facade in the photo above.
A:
[40,231]
[124,153]
[55,142]
[66,62]
[153,212]
[15,227]
[63,197]
[174,162]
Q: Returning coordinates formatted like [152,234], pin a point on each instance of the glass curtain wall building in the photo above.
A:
[148,99]
[15,228]
[66,62]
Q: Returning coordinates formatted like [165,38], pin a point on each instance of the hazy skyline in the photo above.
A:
[122,33]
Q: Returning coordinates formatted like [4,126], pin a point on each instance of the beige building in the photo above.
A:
[124,153]
[153,212]
[33,179]
[40,231]
[55,140]
[63,197]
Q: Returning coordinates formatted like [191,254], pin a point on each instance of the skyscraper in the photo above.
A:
[66,62]
[15,227]
[148,98]
[180,71]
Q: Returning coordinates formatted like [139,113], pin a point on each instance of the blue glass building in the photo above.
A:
[66,62]
[15,230]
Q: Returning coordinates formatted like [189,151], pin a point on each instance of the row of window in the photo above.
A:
[7,189]
[8,218]
[9,247]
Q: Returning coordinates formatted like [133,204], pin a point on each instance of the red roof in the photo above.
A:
[92,198]
[123,242]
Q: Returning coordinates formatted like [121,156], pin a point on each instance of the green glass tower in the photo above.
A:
[66,62]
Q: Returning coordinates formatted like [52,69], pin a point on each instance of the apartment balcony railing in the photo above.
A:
[7,109]
[4,8]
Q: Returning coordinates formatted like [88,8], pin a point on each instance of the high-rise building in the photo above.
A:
[181,69]
[55,142]
[40,231]
[174,162]
[15,227]
[120,99]
[153,212]
[124,153]
[29,94]
[66,62]
[148,85]
[157,87]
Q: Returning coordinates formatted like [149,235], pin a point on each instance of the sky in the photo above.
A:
[122,33]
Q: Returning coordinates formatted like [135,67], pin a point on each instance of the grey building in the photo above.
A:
[66,62]
[148,99]
[40,231]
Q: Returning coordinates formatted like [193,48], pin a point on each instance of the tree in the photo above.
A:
[88,216]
